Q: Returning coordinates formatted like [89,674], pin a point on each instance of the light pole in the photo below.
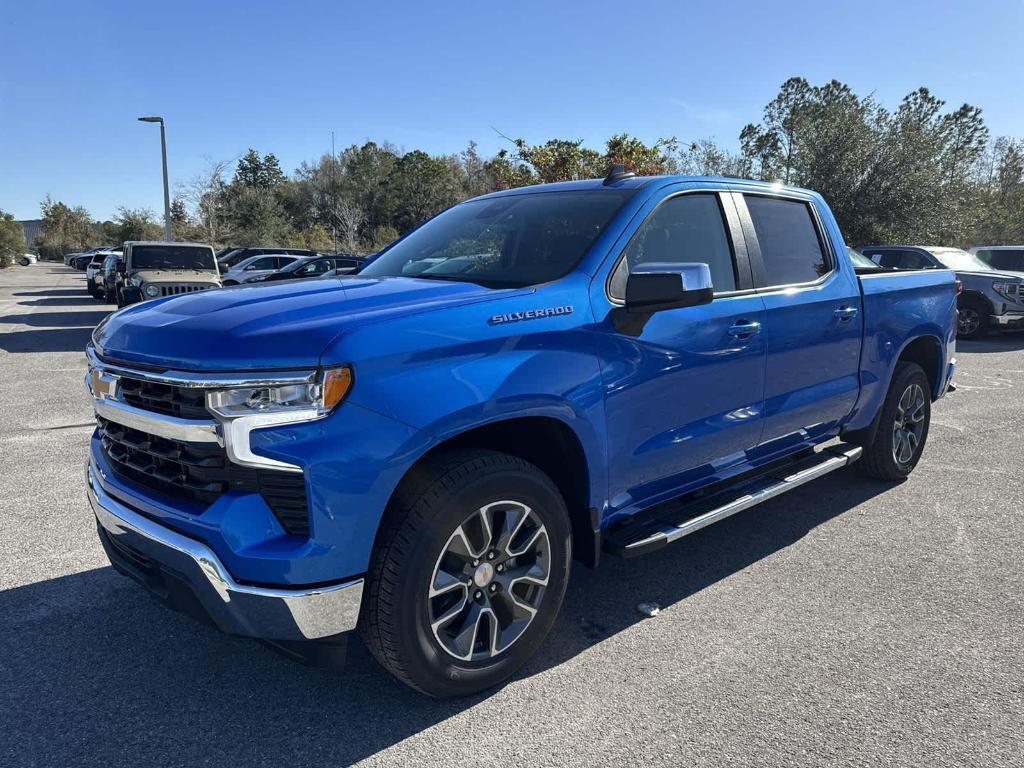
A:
[167,194]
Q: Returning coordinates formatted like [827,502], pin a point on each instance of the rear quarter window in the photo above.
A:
[791,248]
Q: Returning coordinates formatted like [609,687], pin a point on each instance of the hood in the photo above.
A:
[278,325]
[176,275]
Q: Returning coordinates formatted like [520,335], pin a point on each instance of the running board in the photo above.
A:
[674,521]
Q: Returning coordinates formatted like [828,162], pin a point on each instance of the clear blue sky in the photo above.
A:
[280,76]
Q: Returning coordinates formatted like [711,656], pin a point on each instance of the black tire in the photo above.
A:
[230,282]
[880,456]
[974,318]
[429,509]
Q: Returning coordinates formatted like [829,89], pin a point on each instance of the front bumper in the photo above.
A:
[1009,320]
[181,570]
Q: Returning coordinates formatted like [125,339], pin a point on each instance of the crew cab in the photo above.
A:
[422,454]
[990,297]
[153,269]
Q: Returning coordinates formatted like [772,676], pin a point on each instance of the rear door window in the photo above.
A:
[791,248]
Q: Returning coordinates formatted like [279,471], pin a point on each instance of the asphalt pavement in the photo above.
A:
[850,622]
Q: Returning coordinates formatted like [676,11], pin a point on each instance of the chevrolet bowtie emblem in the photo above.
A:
[104,385]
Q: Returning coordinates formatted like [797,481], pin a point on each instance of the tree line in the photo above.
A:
[920,173]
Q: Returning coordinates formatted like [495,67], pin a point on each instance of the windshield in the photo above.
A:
[172,257]
[236,256]
[504,242]
[860,260]
[955,259]
[299,262]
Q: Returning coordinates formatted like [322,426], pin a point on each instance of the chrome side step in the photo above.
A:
[645,536]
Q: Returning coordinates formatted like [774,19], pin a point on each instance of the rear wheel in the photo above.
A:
[468,574]
[973,319]
[902,426]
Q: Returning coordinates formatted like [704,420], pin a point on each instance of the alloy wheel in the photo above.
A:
[909,424]
[489,581]
[969,322]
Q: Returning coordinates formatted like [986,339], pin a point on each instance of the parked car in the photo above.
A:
[237,255]
[105,280]
[989,297]
[93,272]
[255,268]
[1009,258]
[151,269]
[81,260]
[422,457]
[27,258]
[319,266]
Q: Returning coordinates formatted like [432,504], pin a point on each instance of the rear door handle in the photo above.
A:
[743,329]
[845,313]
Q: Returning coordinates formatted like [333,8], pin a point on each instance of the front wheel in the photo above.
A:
[902,427]
[972,319]
[468,573]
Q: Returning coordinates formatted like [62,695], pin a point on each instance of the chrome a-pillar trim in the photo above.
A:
[309,613]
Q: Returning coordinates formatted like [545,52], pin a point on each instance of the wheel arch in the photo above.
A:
[548,443]
[924,349]
[975,296]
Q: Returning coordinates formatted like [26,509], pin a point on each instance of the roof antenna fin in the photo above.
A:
[617,173]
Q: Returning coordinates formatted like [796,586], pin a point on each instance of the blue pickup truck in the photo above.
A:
[531,378]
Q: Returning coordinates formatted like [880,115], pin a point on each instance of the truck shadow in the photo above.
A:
[50,331]
[92,666]
[53,292]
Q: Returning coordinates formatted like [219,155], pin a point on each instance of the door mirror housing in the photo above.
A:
[653,287]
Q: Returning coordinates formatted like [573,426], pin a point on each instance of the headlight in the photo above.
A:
[311,400]
[151,290]
[256,279]
[1010,291]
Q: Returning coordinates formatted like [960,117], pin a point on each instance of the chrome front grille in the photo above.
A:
[183,402]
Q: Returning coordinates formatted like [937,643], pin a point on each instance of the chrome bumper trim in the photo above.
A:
[261,612]
[161,425]
[1008,318]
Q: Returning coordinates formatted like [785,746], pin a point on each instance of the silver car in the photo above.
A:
[990,298]
[249,270]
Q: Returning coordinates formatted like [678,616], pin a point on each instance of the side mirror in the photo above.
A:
[653,287]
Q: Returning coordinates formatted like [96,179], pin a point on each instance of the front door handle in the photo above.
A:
[845,313]
[743,329]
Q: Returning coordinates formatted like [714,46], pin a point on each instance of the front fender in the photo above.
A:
[456,369]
